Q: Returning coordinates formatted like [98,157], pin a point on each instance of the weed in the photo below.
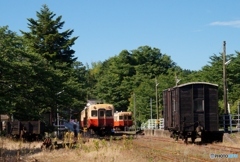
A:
[96,144]
[112,159]
[85,149]
[111,139]
[104,144]
[94,150]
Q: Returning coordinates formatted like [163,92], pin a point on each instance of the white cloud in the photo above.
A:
[235,24]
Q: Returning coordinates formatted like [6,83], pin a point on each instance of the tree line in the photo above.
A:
[40,74]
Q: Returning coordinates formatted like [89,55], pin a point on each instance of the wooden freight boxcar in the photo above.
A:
[191,110]
[30,130]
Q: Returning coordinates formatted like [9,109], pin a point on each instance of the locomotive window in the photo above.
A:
[198,105]
[101,113]
[129,117]
[94,113]
[120,117]
[109,113]
[125,117]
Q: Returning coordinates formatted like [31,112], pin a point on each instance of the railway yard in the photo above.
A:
[140,148]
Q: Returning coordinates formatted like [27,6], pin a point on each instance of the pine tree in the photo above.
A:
[46,39]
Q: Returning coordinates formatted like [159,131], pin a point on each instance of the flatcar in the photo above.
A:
[191,111]
[122,120]
[97,118]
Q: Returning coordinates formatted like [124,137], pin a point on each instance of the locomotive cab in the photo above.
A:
[122,120]
[97,118]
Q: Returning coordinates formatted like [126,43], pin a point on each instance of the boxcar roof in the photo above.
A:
[191,83]
[182,85]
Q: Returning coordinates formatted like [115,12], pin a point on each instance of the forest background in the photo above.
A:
[39,73]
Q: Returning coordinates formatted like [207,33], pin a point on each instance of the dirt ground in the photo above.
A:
[126,150]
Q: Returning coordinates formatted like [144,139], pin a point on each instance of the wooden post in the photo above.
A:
[225,88]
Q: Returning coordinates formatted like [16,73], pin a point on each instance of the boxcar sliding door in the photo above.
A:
[199,104]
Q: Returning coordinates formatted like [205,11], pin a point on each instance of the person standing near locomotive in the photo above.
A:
[75,133]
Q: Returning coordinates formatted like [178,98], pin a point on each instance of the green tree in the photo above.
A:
[129,72]
[233,81]
[151,62]
[114,80]
[60,71]
[46,39]
[10,52]
[22,87]
[91,79]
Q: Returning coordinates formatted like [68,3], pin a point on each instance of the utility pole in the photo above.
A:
[134,105]
[225,88]
[157,103]
[58,117]
[156,97]
[177,80]
[238,116]
[151,107]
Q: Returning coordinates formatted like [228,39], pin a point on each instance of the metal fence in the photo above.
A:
[153,124]
[232,122]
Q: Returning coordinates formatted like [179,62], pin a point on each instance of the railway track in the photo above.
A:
[163,151]
[228,149]
[234,150]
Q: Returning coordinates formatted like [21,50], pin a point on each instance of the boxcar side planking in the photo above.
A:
[191,110]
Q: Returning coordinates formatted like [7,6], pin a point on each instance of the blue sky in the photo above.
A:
[190,31]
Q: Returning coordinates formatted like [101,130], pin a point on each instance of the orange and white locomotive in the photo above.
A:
[122,120]
[97,118]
